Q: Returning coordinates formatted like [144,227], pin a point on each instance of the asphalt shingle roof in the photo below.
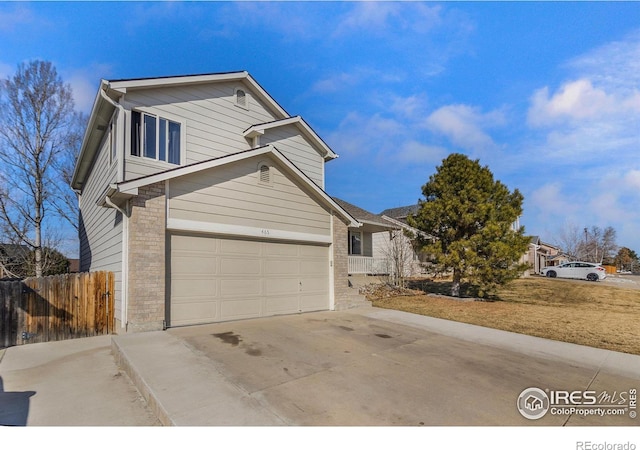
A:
[400,212]
[361,215]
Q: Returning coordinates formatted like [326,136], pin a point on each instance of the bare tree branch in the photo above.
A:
[36,111]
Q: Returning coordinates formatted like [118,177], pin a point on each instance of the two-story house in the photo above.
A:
[206,199]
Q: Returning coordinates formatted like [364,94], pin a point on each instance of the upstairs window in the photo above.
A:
[155,137]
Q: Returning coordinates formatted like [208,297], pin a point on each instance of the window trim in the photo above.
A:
[159,119]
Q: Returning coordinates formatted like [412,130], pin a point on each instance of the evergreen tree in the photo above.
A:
[470,218]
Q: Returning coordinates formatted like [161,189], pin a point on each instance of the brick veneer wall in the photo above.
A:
[340,261]
[147,225]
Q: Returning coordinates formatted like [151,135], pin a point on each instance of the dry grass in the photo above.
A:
[583,313]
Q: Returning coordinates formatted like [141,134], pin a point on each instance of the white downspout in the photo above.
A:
[125,217]
[121,132]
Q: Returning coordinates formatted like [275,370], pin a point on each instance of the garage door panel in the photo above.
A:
[240,287]
[240,309]
[194,312]
[216,279]
[313,285]
[240,267]
[317,251]
[277,249]
[238,247]
[313,302]
[282,286]
[199,244]
[281,267]
[314,267]
[194,287]
[193,265]
[281,305]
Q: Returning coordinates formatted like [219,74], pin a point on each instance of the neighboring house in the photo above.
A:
[74,265]
[535,256]
[557,259]
[206,199]
[401,213]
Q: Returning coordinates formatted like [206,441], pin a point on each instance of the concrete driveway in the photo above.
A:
[370,367]
[361,367]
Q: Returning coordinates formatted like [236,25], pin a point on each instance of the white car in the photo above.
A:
[576,269]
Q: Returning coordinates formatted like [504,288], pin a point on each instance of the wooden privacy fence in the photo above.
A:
[55,308]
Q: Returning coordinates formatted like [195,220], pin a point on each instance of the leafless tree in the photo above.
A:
[600,245]
[571,240]
[36,110]
[399,252]
[64,200]
[588,244]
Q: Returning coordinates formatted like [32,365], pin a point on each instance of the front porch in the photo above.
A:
[368,265]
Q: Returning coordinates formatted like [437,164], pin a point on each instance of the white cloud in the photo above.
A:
[613,65]
[551,200]
[465,125]
[631,180]
[416,152]
[380,17]
[578,100]
[16,17]
[410,107]
[594,117]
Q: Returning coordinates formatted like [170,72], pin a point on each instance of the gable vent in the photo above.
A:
[265,174]
[241,98]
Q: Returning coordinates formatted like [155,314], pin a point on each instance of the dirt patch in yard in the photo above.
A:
[586,313]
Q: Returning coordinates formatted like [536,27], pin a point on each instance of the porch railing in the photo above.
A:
[368,265]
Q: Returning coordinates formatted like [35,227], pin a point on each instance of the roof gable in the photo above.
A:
[106,103]
[302,126]
[128,189]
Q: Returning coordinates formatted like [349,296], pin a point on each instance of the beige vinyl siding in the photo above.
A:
[380,243]
[367,244]
[233,195]
[296,148]
[101,228]
[212,122]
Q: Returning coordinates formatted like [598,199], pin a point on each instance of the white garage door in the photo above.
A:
[216,279]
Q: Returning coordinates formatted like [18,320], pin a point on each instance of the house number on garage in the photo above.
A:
[265,232]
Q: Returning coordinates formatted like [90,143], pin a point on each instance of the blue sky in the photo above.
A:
[546,94]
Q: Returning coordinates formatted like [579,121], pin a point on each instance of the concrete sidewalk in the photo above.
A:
[74,382]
